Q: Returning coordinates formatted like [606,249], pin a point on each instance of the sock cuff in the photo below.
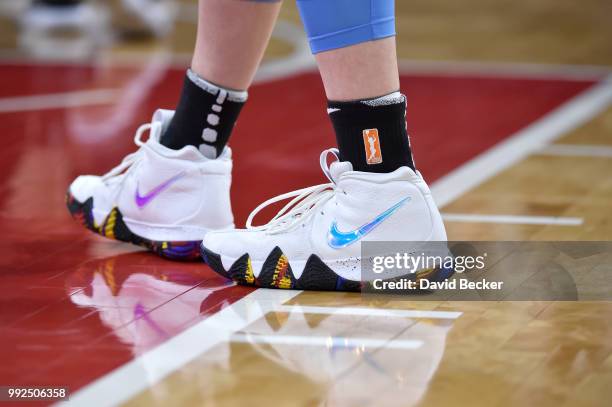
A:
[371,134]
[231,95]
[358,113]
[393,98]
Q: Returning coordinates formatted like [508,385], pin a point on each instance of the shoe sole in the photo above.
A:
[113,227]
[317,276]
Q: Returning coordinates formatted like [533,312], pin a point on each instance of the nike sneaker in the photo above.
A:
[314,242]
[165,200]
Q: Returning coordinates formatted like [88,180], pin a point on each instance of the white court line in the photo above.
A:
[364,311]
[58,100]
[512,219]
[529,140]
[577,150]
[327,341]
[149,368]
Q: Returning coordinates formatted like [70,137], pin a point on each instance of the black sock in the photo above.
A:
[204,117]
[371,134]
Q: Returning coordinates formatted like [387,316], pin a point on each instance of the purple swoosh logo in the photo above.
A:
[142,200]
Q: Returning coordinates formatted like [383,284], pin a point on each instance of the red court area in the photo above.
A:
[74,306]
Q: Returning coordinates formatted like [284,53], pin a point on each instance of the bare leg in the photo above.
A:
[352,75]
[232,37]
[362,71]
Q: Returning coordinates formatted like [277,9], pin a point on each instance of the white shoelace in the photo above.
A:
[305,202]
[129,159]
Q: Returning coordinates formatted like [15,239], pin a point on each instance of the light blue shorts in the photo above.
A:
[332,24]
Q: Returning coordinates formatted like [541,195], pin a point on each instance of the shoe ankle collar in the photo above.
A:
[187,153]
[163,117]
[400,174]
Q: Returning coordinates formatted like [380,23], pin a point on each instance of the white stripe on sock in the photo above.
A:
[229,94]
[390,99]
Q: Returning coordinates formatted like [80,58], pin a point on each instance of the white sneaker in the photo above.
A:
[314,242]
[163,199]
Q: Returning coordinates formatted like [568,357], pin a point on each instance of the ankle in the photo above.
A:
[371,134]
[205,116]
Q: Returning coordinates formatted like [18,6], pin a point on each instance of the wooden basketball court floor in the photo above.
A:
[511,123]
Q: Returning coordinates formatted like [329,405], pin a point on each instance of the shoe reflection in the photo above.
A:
[353,352]
[144,300]
[349,359]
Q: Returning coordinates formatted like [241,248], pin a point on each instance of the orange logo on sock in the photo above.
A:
[371,143]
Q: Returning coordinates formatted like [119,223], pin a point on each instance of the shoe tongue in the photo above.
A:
[163,117]
[337,168]
[189,153]
[156,131]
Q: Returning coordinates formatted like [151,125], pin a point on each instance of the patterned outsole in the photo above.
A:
[317,276]
[113,227]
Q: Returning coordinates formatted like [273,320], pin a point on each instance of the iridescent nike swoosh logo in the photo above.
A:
[142,200]
[338,240]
